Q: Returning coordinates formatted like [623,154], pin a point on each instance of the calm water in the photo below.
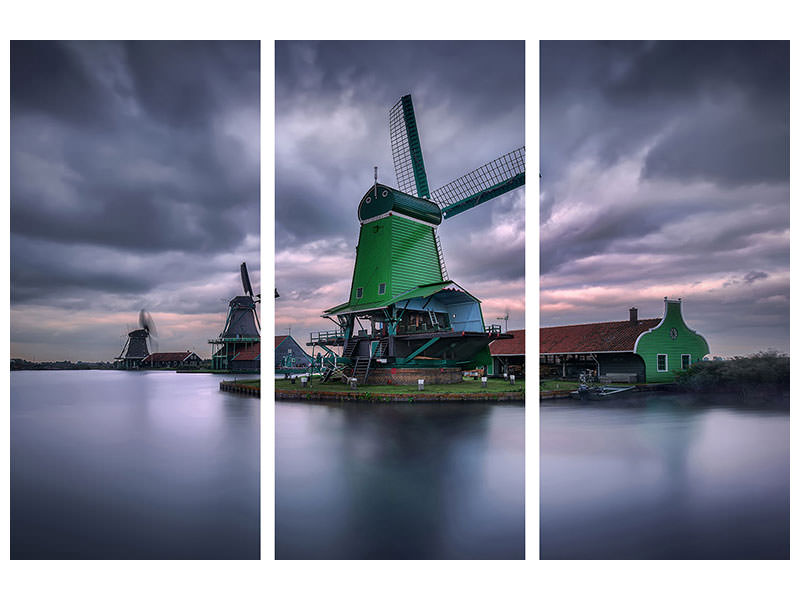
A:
[664,481]
[399,481]
[110,464]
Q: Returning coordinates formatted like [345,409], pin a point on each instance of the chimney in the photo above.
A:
[634,315]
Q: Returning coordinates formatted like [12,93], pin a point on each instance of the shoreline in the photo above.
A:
[385,397]
[680,396]
[240,387]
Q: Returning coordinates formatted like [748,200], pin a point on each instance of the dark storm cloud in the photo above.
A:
[718,109]
[134,173]
[665,171]
[49,79]
[159,165]
[332,106]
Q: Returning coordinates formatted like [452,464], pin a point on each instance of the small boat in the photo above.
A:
[586,392]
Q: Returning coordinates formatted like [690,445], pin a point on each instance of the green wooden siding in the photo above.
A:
[661,341]
[415,260]
[396,251]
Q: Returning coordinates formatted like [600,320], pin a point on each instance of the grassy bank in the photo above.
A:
[467,386]
[249,382]
[250,387]
[555,385]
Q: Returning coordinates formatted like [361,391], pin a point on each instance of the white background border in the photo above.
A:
[398,20]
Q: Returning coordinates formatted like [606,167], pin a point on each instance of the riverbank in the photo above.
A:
[367,396]
[642,395]
[552,389]
[467,391]
[250,387]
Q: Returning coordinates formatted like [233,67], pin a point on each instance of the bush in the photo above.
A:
[763,369]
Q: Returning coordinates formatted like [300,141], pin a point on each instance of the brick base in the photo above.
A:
[402,376]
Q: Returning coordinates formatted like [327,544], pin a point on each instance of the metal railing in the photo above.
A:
[323,337]
[424,328]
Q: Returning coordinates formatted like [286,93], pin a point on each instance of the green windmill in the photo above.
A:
[405,318]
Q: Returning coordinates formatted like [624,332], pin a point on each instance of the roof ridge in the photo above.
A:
[623,322]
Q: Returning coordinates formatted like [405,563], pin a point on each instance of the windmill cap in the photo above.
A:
[244,301]
[382,200]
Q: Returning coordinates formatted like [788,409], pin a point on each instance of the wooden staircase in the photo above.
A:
[361,368]
[350,347]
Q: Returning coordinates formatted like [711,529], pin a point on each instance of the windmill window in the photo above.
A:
[661,363]
[385,193]
[359,292]
[686,360]
[381,288]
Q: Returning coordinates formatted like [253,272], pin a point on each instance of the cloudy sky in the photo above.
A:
[332,127]
[665,172]
[134,184]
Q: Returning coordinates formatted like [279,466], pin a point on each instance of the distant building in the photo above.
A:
[508,355]
[289,355]
[171,360]
[638,350]
[247,359]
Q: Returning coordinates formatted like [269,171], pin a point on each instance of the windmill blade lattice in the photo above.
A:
[489,181]
[406,150]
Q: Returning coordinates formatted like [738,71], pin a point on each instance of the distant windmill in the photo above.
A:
[135,349]
[242,328]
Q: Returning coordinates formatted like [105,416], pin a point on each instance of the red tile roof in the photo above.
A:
[168,356]
[251,352]
[514,346]
[615,336]
[279,339]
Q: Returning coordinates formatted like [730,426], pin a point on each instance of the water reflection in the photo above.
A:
[132,465]
[399,481]
[664,481]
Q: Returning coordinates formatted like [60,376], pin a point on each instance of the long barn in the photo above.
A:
[636,350]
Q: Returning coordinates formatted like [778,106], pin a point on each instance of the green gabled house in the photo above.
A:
[636,350]
[671,346]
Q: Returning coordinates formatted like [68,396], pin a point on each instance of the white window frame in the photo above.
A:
[359,292]
[381,293]
[689,364]
[666,363]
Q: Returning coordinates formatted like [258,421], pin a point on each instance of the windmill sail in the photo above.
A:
[406,149]
[489,181]
[248,289]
